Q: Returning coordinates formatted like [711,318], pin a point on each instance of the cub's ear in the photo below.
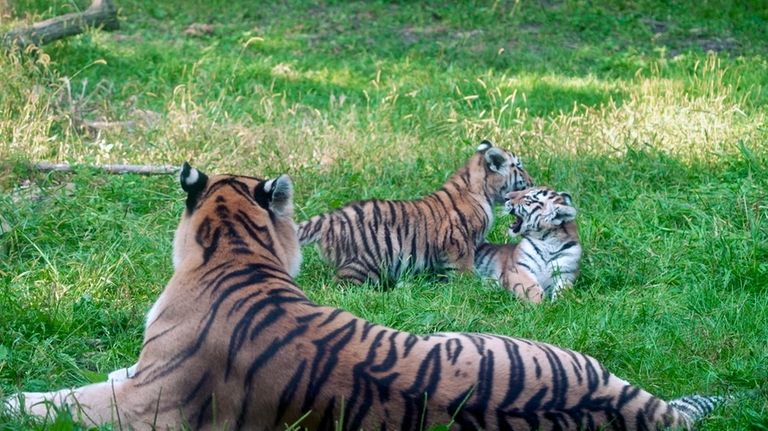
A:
[279,194]
[484,146]
[566,198]
[563,214]
[193,182]
[496,159]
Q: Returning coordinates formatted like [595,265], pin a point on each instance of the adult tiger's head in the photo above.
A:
[503,171]
[233,217]
[539,210]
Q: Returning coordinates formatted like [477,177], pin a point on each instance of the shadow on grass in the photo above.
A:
[312,52]
[545,99]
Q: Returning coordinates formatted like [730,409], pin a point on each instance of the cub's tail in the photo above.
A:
[309,230]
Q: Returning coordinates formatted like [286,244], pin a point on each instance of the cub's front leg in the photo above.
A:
[523,286]
[555,289]
[462,260]
[459,251]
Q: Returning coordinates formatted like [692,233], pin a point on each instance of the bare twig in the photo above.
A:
[111,169]
[101,125]
[101,13]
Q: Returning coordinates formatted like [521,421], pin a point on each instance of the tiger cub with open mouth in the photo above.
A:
[546,260]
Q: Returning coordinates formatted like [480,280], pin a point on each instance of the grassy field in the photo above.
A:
[651,113]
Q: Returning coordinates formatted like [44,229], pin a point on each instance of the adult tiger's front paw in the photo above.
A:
[11,405]
[33,403]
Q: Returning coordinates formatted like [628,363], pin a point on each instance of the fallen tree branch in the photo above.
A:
[101,13]
[110,169]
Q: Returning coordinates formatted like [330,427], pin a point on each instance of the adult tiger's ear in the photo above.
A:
[193,182]
[279,194]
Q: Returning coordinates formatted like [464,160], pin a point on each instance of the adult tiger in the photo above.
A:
[380,240]
[233,343]
[546,260]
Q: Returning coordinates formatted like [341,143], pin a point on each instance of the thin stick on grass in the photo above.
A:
[104,125]
[101,13]
[110,169]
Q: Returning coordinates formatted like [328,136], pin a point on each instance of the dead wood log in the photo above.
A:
[111,169]
[101,13]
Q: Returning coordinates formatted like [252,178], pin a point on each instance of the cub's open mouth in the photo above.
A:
[515,227]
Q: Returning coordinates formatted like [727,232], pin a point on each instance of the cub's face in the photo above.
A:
[505,172]
[241,213]
[538,209]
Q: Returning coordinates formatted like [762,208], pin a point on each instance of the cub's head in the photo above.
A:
[236,217]
[539,209]
[503,171]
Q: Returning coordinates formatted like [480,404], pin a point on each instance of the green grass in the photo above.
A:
[661,143]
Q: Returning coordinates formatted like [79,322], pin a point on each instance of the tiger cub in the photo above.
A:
[380,240]
[546,260]
[233,343]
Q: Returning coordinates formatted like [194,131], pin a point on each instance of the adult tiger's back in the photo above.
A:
[233,343]
[383,239]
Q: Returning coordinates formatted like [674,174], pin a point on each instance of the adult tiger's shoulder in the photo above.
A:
[233,343]
[380,240]
[546,260]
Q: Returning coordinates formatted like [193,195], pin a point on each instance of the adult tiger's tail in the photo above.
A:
[696,407]
[309,231]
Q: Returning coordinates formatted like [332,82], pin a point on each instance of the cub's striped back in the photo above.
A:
[546,260]
[380,240]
